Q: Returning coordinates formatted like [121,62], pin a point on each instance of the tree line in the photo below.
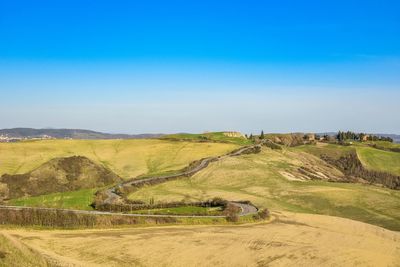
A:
[132,205]
[349,135]
[340,136]
[351,165]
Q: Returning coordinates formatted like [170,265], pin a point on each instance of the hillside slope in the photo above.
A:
[57,175]
[288,180]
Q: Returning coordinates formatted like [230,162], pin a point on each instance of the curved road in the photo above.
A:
[246,209]
[113,197]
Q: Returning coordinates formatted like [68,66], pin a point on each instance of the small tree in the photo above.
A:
[264,214]
[262,135]
[231,212]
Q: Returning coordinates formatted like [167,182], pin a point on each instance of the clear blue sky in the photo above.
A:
[193,66]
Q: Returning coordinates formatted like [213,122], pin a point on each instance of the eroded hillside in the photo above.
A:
[57,175]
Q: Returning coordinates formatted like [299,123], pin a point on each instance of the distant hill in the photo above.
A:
[68,133]
[219,137]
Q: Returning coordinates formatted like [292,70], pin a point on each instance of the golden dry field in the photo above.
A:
[287,240]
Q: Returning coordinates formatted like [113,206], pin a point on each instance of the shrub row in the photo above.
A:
[392,149]
[262,215]
[71,219]
[129,207]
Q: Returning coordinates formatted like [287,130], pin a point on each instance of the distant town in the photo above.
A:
[8,139]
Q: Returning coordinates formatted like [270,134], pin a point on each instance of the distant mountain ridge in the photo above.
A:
[19,133]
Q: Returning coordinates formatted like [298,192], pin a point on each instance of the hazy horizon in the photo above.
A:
[220,130]
[160,67]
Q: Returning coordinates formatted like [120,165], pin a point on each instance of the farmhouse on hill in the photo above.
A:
[233,134]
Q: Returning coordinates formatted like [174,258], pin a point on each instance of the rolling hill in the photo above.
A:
[294,179]
[57,175]
[289,180]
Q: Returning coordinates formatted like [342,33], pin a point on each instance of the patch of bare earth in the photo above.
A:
[291,177]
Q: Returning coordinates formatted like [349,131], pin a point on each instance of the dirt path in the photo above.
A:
[246,209]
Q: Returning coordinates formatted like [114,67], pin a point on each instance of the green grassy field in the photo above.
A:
[371,158]
[213,136]
[80,199]
[376,159]
[127,158]
[261,179]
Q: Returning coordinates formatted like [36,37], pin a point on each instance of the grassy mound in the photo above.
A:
[290,139]
[57,175]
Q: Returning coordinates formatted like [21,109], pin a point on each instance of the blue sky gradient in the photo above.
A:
[193,66]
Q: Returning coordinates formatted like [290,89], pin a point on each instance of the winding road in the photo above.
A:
[113,197]
[246,209]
